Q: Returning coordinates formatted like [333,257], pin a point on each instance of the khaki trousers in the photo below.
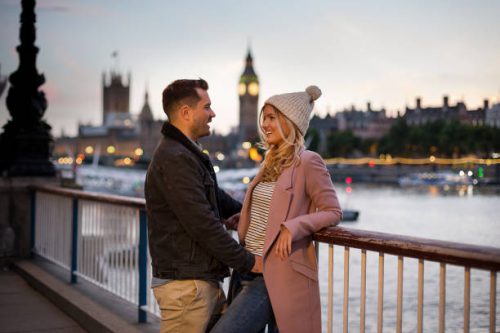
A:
[189,306]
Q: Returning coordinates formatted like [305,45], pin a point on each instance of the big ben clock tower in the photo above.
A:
[248,89]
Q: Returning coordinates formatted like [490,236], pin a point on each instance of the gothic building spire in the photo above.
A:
[248,90]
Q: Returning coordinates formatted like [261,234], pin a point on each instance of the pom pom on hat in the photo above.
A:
[296,106]
[314,92]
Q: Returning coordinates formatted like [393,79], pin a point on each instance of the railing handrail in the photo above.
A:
[93,196]
[474,256]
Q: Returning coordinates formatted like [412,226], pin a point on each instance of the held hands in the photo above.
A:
[232,222]
[284,243]
[257,267]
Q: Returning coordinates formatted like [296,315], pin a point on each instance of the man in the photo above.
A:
[190,248]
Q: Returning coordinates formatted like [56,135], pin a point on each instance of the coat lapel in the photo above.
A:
[279,207]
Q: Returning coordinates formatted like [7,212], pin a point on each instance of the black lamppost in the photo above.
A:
[26,143]
[3,82]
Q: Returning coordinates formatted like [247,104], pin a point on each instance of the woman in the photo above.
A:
[291,197]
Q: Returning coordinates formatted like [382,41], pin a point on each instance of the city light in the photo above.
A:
[220,156]
[216,169]
[246,180]
[254,155]
[246,145]
[480,172]
[89,150]
[65,160]
[138,151]
[111,149]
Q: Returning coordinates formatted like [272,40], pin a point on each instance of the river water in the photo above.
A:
[465,214]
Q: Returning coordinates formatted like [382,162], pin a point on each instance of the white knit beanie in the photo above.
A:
[296,106]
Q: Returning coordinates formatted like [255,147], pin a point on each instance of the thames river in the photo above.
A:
[464,214]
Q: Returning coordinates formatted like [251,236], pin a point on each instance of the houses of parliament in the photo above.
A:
[125,140]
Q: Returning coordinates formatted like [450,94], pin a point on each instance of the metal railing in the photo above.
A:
[99,238]
[424,250]
[103,239]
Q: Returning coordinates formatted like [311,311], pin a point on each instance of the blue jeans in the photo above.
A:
[250,311]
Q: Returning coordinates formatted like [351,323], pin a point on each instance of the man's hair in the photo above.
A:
[182,91]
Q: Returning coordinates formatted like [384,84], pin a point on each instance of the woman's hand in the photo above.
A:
[284,243]
[258,266]
[232,222]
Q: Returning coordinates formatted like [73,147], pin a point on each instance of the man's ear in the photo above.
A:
[185,112]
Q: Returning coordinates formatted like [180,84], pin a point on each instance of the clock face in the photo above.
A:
[253,88]
[242,89]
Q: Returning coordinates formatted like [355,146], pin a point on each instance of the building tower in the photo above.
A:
[115,97]
[148,137]
[248,90]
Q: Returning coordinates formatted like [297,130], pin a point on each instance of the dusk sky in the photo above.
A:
[385,52]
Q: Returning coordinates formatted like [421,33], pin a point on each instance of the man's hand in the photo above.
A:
[232,222]
[284,243]
[258,266]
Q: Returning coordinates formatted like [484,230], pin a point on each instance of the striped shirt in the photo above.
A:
[259,211]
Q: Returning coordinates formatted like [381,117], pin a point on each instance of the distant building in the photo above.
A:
[150,129]
[248,90]
[458,112]
[492,117]
[120,135]
[115,98]
[365,124]
[323,127]
[368,124]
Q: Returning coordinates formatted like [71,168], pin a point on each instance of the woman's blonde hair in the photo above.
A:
[286,154]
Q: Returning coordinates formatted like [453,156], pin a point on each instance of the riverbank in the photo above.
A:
[391,174]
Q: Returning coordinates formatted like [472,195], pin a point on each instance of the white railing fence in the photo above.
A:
[377,282]
[99,238]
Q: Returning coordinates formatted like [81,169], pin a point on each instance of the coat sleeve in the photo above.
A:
[319,188]
[184,192]
[228,206]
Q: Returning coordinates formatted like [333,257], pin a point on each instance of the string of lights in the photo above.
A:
[388,160]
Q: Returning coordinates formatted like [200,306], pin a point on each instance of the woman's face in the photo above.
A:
[271,120]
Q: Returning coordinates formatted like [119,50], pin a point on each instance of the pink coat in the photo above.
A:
[305,201]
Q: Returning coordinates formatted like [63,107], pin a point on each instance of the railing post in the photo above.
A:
[33,223]
[143,262]
[74,241]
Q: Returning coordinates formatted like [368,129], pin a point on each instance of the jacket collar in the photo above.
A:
[174,133]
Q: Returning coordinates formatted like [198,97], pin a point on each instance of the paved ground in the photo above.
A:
[23,309]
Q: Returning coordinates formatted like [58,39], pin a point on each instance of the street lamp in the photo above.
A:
[26,143]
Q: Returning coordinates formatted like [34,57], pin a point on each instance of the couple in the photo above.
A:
[291,197]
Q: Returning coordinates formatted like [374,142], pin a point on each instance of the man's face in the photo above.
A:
[202,115]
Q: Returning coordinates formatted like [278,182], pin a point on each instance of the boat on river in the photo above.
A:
[435,178]
[349,215]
